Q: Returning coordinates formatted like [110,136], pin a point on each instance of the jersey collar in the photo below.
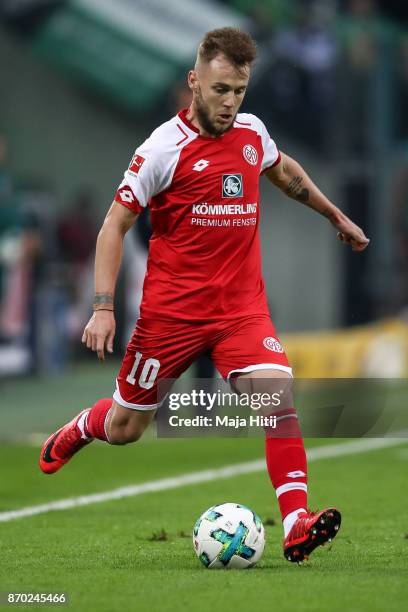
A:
[183,116]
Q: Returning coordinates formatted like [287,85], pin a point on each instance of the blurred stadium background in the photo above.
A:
[84,81]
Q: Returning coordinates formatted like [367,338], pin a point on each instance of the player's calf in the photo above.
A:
[127,425]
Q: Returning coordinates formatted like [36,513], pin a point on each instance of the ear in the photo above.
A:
[192,81]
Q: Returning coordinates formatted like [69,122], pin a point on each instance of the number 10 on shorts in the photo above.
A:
[148,374]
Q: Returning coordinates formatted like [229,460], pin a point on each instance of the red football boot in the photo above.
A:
[309,531]
[63,444]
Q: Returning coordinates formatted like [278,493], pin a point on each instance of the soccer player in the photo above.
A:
[203,291]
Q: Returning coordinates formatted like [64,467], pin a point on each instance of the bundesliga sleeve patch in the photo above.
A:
[136,163]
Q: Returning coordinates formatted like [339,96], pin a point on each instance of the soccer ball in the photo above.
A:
[229,535]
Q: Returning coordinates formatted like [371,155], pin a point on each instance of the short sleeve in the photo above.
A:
[148,174]
[271,155]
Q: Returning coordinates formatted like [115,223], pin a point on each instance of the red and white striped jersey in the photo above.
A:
[203,194]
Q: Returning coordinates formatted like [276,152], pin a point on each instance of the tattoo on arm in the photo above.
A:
[103,301]
[296,191]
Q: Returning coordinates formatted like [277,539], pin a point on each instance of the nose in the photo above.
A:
[229,100]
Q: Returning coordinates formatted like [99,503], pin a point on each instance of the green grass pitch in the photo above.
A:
[114,555]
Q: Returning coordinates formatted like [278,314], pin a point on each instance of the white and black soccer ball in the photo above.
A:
[229,536]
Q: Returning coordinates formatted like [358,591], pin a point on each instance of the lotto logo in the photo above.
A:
[296,474]
[126,195]
[272,344]
[232,186]
[201,165]
[250,154]
[136,163]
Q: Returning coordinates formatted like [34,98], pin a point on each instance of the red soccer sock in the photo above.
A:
[95,425]
[287,465]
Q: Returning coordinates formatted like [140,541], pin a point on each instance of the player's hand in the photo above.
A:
[350,233]
[100,332]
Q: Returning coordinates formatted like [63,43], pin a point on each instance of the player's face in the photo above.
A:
[218,91]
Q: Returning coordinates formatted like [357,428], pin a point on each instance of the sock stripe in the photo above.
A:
[291,486]
[82,424]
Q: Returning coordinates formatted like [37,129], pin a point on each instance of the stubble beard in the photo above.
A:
[203,116]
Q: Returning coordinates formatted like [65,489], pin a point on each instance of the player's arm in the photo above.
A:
[291,178]
[100,330]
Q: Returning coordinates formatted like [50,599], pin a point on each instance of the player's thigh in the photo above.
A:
[262,380]
[271,388]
